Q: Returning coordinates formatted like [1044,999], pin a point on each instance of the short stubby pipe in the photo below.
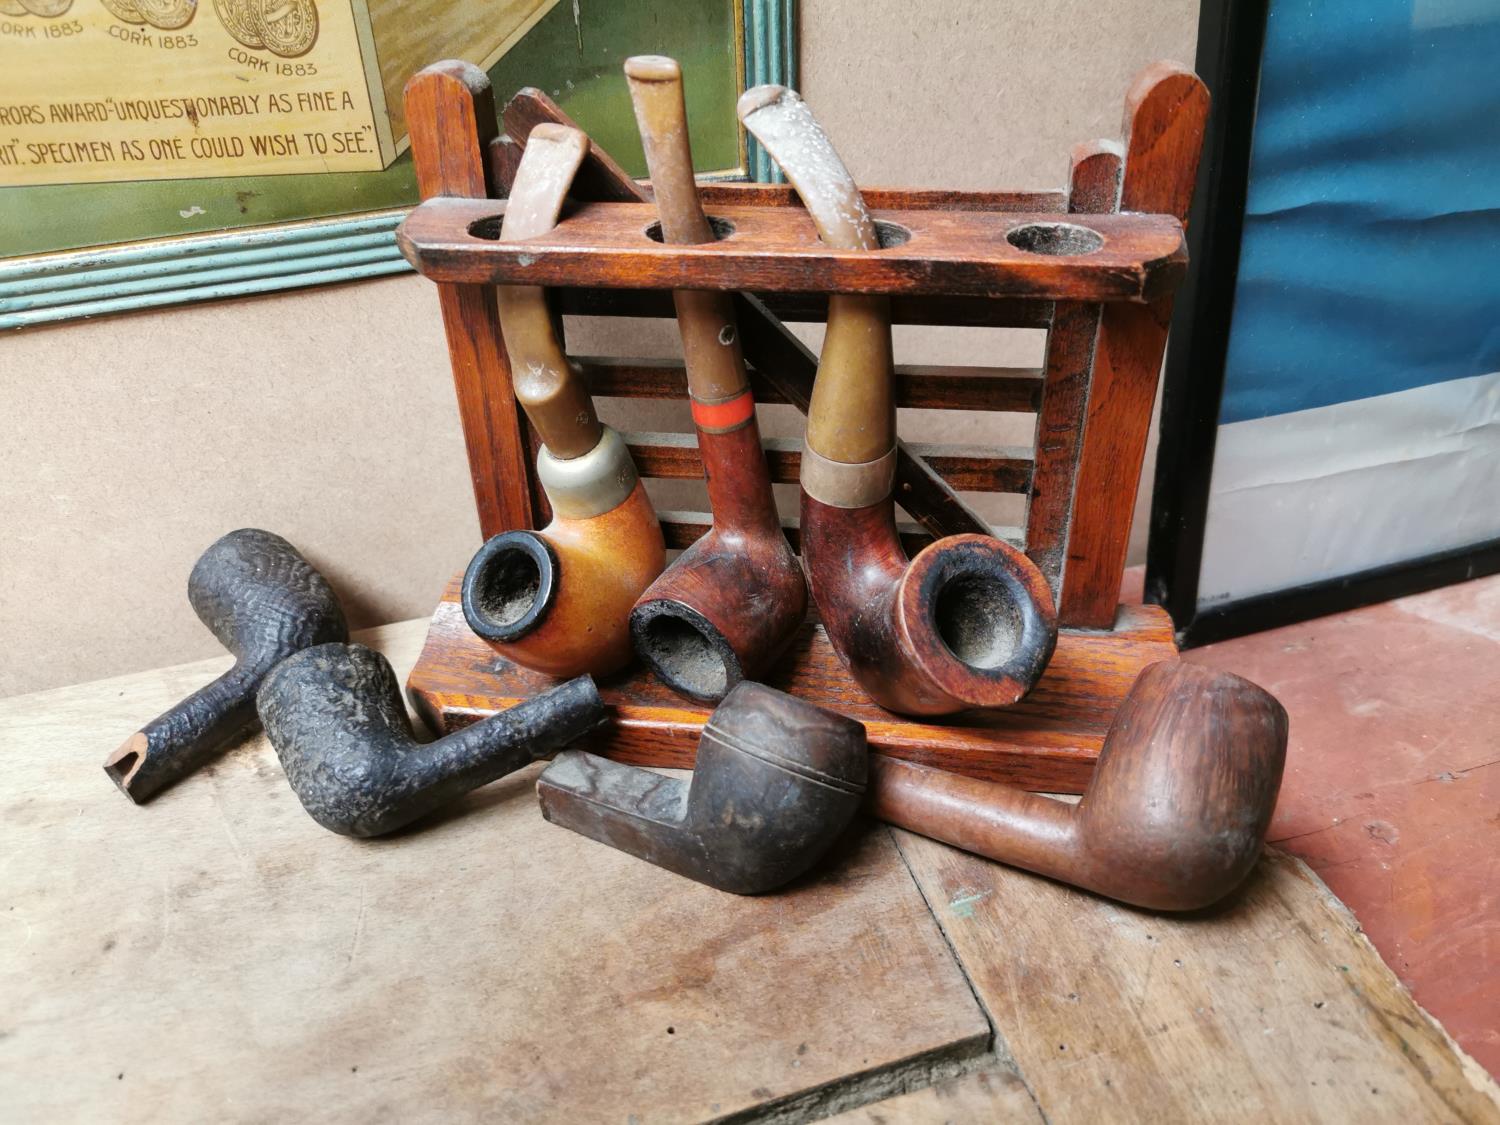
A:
[264,602]
[776,782]
[968,623]
[335,716]
[558,600]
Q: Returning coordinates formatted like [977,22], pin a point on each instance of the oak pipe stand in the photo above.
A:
[1093,265]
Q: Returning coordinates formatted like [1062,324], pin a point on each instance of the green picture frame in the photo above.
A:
[78,250]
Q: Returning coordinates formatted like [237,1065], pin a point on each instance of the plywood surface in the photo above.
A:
[218,956]
[1272,1008]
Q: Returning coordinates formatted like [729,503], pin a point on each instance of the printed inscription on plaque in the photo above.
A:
[109,90]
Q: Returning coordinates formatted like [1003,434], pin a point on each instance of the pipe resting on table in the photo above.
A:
[263,601]
[1173,818]
[335,716]
[776,782]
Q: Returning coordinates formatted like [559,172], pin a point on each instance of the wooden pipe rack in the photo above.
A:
[1094,265]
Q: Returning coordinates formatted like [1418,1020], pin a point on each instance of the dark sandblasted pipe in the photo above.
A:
[970,621]
[1173,818]
[558,600]
[334,714]
[730,603]
[263,601]
[775,783]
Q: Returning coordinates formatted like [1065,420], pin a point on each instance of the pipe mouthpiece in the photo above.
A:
[652,68]
[509,586]
[759,97]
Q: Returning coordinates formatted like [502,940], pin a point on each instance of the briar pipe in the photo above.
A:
[776,782]
[335,716]
[970,621]
[1173,818]
[558,600]
[263,601]
[731,602]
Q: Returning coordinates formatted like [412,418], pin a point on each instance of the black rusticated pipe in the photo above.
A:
[777,780]
[335,716]
[263,601]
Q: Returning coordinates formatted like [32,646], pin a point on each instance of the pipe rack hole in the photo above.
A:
[685,654]
[722,229]
[508,587]
[1055,239]
[891,235]
[487,228]
[978,619]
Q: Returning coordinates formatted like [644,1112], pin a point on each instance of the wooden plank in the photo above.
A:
[683,529]
[997,1094]
[972,468]
[1165,114]
[218,956]
[1094,177]
[1272,1008]
[887,199]
[451,116]
[1048,741]
[1128,257]
[925,386]
[970,312]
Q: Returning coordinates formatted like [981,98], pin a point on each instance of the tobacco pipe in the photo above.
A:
[335,716]
[731,602]
[1173,818]
[776,781]
[558,600]
[263,601]
[970,621]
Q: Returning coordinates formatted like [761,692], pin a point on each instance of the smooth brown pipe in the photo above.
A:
[731,602]
[558,600]
[970,622]
[1173,818]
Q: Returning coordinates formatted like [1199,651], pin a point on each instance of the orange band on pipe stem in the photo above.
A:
[721,417]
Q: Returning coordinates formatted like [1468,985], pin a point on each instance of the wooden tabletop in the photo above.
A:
[218,956]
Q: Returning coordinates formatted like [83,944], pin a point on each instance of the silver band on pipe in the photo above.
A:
[842,485]
[598,482]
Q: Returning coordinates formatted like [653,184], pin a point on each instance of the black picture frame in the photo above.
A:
[1231,39]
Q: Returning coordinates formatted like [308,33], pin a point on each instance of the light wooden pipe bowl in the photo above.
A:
[1173,819]
[558,600]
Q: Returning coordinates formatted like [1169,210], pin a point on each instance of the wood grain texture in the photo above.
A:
[1273,1007]
[1094,187]
[1049,741]
[972,312]
[219,956]
[451,114]
[923,386]
[774,249]
[1166,112]
[682,528]
[974,468]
